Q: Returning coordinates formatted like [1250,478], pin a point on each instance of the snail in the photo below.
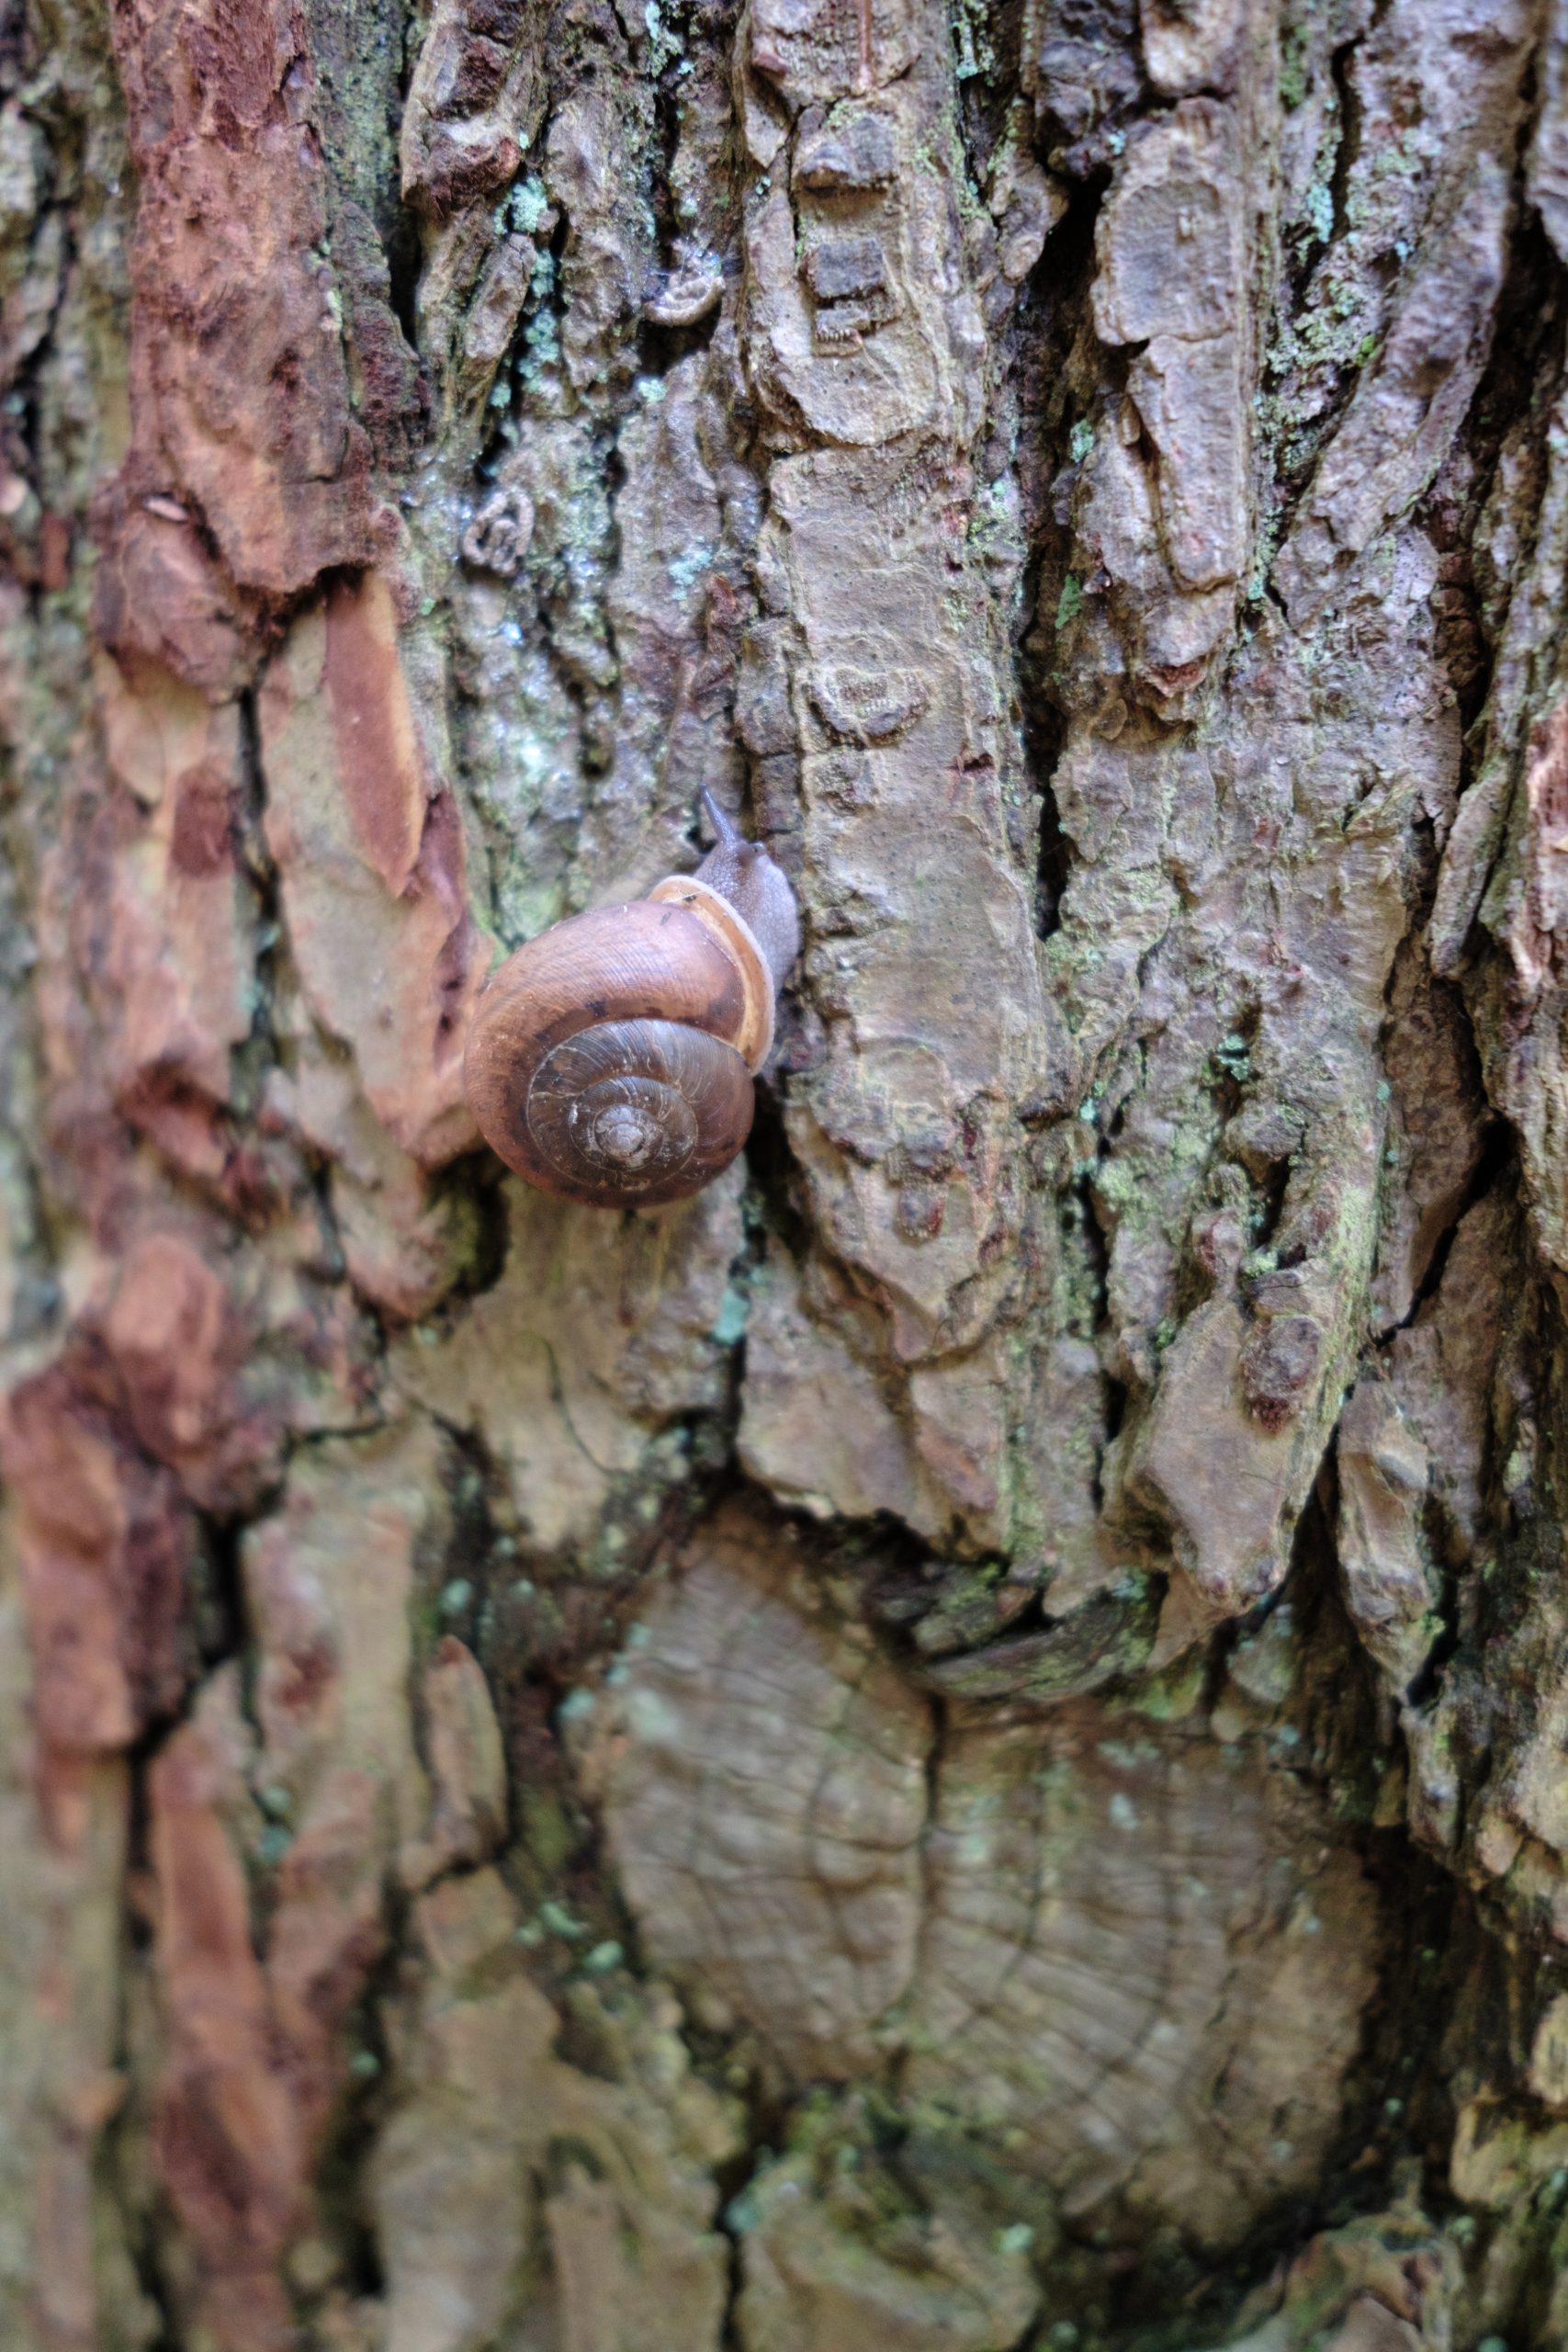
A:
[611,1060]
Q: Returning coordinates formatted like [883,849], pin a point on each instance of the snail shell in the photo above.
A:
[611,1060]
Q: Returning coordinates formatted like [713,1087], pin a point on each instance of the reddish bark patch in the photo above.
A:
[351,797]
[373,729]
[179,1347]
[226,2132]
[202,841]
[159,596]
[458,173]
[105,1542]
[239,375]
[300,1678]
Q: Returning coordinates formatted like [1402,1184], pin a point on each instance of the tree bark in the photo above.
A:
[962,1741]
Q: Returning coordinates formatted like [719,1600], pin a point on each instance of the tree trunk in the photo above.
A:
[961,1743]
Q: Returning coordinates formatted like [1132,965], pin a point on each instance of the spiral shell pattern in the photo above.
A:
[610,1058]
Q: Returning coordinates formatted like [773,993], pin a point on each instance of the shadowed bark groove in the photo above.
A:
[959,1742]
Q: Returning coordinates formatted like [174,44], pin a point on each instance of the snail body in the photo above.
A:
[611,1060]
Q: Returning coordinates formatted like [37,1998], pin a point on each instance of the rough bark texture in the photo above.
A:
[960,1745]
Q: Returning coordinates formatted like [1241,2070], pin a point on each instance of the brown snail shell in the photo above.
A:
[611,1060]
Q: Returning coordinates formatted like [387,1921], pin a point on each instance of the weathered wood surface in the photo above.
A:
[962,1741]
